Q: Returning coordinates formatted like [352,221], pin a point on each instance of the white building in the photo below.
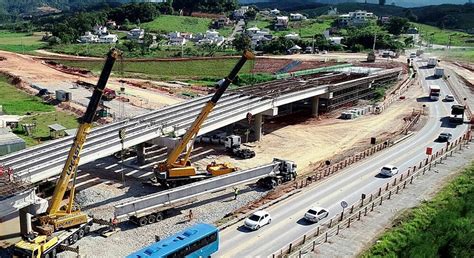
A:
[292,35]
[332,39]
[240,13]
[88,37]
[252,31]
[332,11]
[275,12]
[281,22]
[136,34]
[297,17]
[178,39]
[100,30]
[259,37]
[211,37]
[357,18]
[110,39]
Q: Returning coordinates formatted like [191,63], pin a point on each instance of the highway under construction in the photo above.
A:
[175,127]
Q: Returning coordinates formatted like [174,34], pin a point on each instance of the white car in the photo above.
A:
[449,98]
[316,214]
[413,55]
[257,220]
[389,170]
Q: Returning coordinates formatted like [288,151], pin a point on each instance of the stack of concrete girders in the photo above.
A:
[347,115]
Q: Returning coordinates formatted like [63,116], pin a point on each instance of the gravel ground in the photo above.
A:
[100,201]
[361,235]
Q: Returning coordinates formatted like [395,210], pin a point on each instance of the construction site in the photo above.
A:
[162,161]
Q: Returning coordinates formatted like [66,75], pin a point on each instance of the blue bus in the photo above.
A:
[200,240]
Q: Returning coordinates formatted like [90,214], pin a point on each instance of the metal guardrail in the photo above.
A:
[150,202]
[308,242]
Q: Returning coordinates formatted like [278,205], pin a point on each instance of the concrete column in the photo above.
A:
[140,153]
[314,106]
[25,221]
[258,126]
[290,108]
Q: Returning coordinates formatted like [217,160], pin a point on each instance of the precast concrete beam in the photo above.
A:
[148,203]
[170,143]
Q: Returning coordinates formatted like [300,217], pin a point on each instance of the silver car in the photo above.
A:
[316,214]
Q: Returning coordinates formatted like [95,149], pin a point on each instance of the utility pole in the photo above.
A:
[312,50]
[375,40]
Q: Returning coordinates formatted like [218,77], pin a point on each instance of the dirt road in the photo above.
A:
[35,72]
[311,140]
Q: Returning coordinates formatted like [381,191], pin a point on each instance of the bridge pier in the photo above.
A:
[258,126]
[315,106]
[140,153]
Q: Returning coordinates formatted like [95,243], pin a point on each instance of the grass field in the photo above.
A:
[442,227]
[170,23]
[441,37]
[42,121]
[456,55]
[261,24]
[169,70]
[16,102]
[20,42]
[305,29]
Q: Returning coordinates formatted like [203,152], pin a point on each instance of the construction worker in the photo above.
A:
[236,192]
[190,215]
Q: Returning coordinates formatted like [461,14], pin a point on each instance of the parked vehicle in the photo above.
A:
[412,55]
[316,214]
[444,137]
[389,170]
[257,220]
[449,98]
[233,146]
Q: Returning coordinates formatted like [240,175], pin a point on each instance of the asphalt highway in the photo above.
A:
[287,216]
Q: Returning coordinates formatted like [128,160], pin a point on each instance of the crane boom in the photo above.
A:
[72,162]
[172,160]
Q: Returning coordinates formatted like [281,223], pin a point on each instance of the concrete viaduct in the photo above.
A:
[46,160]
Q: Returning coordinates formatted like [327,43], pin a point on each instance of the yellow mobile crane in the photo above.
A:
[69,217]
[175,171]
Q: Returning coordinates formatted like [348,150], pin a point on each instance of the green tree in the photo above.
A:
[409,42]
[397,25]
[410,15]
[251,14]
[241,42]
